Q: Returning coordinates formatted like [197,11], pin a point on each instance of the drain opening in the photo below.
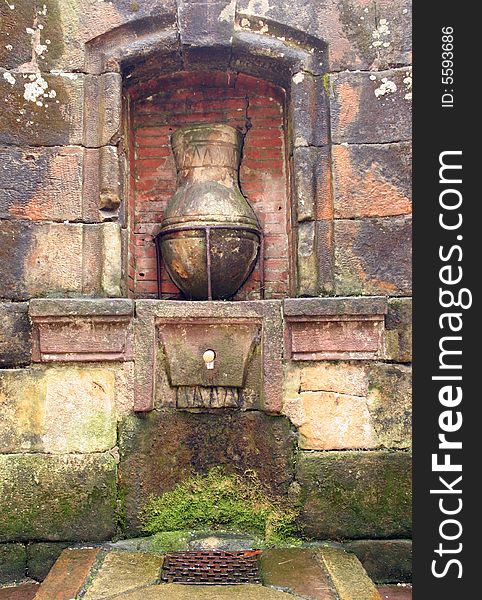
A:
[213,567]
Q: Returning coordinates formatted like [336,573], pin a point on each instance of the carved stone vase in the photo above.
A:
[210,236]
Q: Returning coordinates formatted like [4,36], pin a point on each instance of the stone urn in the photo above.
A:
[210,236]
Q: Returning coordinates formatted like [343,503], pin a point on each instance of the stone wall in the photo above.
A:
[331,424]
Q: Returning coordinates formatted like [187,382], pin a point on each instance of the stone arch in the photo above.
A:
[150,47]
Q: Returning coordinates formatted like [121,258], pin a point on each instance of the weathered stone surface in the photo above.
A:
[57,410]
[355,494]
[373,256]
[312,183]
[398,14]
[345,405]
[395,592]
[372,180]
[324,253]
[68,26]
[68,575]
[124,571]
[329,421]
[342,338]
[13,562]
[370,108]
[309,111]
[307,262]
[15,334]
[41,558]
[39,259]
[385,561]
[390,404]
[297,571]
[103,104]
[41,183]
[348,575]
[81,307]
[41,109]
[313,307]
[24,591]
[338,377]
[206,24]
[398,330]
[48,497]
[161,449]
[49,259]
[174,591]
[347,28]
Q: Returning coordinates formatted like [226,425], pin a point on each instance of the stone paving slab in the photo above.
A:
[394,592]
[68,574]
[175,591]
[298,571]
[348,575]
[124,571]
[24,591]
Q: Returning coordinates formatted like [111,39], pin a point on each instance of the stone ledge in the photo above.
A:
[68,330]
[80,307]
[334,328]
[343,305]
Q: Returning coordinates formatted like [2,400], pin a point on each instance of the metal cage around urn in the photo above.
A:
[210,238]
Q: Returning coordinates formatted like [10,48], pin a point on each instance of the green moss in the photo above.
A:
[169,541]
[326,83]
[221,501]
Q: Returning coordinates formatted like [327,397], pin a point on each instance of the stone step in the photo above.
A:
[325,573]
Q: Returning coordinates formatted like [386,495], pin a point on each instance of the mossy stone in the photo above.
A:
[57,497]
[355,494]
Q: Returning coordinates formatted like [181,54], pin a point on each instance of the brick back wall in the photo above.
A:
[256,107]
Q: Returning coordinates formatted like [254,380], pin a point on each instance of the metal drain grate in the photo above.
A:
[213,567]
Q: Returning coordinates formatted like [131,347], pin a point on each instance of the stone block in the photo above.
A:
[103,106]
[346,28]
[385,561]
[337,377]
[372,180]
[324,252]
[57,410]
[372,108]
[41,109]
[330,421]
[312,183]
[307,262]
[398,14]
[336,338]
[390,403]
[398,330]
[41,558]
[297,571]
[162,448]
[355,494]
[309,111]
[38,259]
[123,571]
[41,184]
[262,384]
[69,26]
[49,259]
[373,256]
[15,334]
[206,23]
[348,575]
[53,498]
[317,307]
[13,562]
[69,574]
